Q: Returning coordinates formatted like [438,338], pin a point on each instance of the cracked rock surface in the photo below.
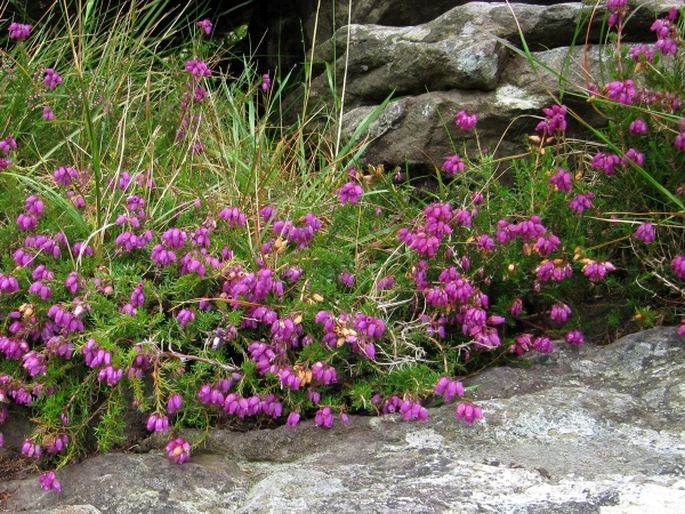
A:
[589,430]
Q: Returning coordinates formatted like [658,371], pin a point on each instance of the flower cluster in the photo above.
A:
[453,165]
[465,121]
[51,79]
[7,145]
[19,31]
[555,121]
[350,192]
[206,26]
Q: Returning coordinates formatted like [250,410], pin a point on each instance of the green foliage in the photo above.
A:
[251,298]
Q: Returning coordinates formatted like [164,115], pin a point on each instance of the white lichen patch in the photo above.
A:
[512,97]
[649,497]
[425,438]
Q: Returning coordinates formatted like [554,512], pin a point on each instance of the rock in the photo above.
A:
[69,509]
[591,429]
[403,13]
[418,130]
[464,48]
[17,428]
[148,483]
[407,61]
[467,58]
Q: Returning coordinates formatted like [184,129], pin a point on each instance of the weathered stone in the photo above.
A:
[468,58]
[553,24]
[384,60]
[588,430]
[465,48]
[418,130]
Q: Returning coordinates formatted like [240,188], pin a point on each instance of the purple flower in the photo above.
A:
[30,449]
[385,283]
[292,274]
[323,373]
[19,31]
[34,206]
[468,412]
[185,316]
[174,403]
[543,344]
[606,162]
[57,444]
[26,223]
[34,363]
[41,290]
[522,344]
[7,145]
[561,181]
[621,91]
[346,279]
[48,115]
[94,355]
[324,418]
[8,284]
[157,423]
[110,375]
[554,122]
[234,216]
[266,83]
[617,10]
[678,266]
[314,396]
[412,410]
[137,296]
[72,282]
[465,121]
[48,481]
[640,52]
[581,202]
[638,127]
[205,25]
[178,450]
[453,165]
[485,243]
[556,270]
[51,79]
[174,238]
[645,233]
[58,347]
[289,378]
[560,313]
[161,256]
[350,192]
[448,388]
[516,307]
[679,141]
[575,338]
[632,155]
[197,69]
[546,244]
[293,419]
[65,176]
[596,271]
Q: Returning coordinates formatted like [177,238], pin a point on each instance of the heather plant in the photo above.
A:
[626,179]
[175,250]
